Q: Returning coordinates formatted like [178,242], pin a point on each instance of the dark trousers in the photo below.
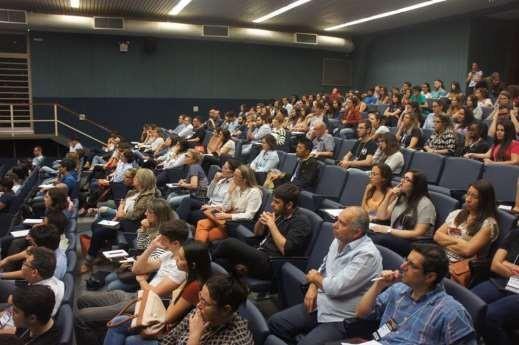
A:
[399,245]
[294,321]
[502,311]
[187,207]
[101,237]
[231,252]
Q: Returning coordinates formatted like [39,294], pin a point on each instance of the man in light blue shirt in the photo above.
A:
[336,287]
[438,90]
[415,304]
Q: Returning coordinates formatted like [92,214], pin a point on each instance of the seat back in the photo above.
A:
[213,169]
[504,180]
[444,205]
[458,173]
[506,222]
[217,269]
[65,324]
[331,181]
[347,145]
[282,155]
[353,190]
[68,295]
[322,244]
[429,164]
[273,340]
[256,322]
[408,157]
[315,225]
[337,148]
[289,164]
[474,305]
[390,259]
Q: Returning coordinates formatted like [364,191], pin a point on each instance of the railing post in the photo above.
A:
[11,110]
[55,119]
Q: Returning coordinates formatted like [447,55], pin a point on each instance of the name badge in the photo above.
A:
[385,329]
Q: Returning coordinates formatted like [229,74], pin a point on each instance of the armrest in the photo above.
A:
[291,279]
[299,262]
[244,234]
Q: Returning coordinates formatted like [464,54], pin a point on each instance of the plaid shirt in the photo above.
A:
[235,332]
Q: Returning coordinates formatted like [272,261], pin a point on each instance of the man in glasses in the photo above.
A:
[412,305]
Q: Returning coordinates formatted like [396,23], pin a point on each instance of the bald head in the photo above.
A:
[63,187]
[351,224]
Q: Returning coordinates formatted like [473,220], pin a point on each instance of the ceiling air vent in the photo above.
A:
[108,23]
[215,31]
[306,38]
[13,16]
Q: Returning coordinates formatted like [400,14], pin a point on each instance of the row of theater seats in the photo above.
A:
[446,175]
[13,218]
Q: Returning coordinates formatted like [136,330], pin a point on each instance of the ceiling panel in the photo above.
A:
[313,16]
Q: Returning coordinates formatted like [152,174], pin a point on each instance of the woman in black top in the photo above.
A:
[408,133]
[503,305]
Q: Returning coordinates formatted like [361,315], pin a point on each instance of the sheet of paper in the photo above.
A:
[371,342]
[20,233]
[334,212]
[119,253]
[109,223]
[32,221]
[46,186]
[505,207]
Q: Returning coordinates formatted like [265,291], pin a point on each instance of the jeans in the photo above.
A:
[113,283]
[185,208]
[502,310]
[232,251]
[122,335]
[175,199]
[294,321]
[95,309]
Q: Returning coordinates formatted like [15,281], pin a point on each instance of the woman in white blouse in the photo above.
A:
[268,158]
[241,203]
[191,209]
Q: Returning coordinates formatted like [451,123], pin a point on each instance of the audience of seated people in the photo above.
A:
[403,219]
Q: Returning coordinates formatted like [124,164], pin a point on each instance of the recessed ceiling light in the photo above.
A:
[179,7]
[281,10]
[386,14]
[74,3]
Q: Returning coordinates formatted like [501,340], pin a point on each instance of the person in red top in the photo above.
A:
[350,118]
[193,258]
[505,150]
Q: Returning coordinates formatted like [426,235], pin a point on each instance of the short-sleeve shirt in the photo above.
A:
[47,338]
[168,269]
[512,148]
[297,232]
[190,292]
[405,140]
[511,245]
[361,150]
[436,318]
[324,143]
[198,133]
[425,213]
[196,170]
[460,231]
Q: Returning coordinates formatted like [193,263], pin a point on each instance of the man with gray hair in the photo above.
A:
[323,143]
[336,287]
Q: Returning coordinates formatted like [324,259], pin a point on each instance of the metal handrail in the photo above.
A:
[55,106]
[66,109]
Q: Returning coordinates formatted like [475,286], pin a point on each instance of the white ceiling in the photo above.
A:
[313,16]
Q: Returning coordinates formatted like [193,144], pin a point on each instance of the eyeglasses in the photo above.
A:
[26,264]
[408,179]
[203,302]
